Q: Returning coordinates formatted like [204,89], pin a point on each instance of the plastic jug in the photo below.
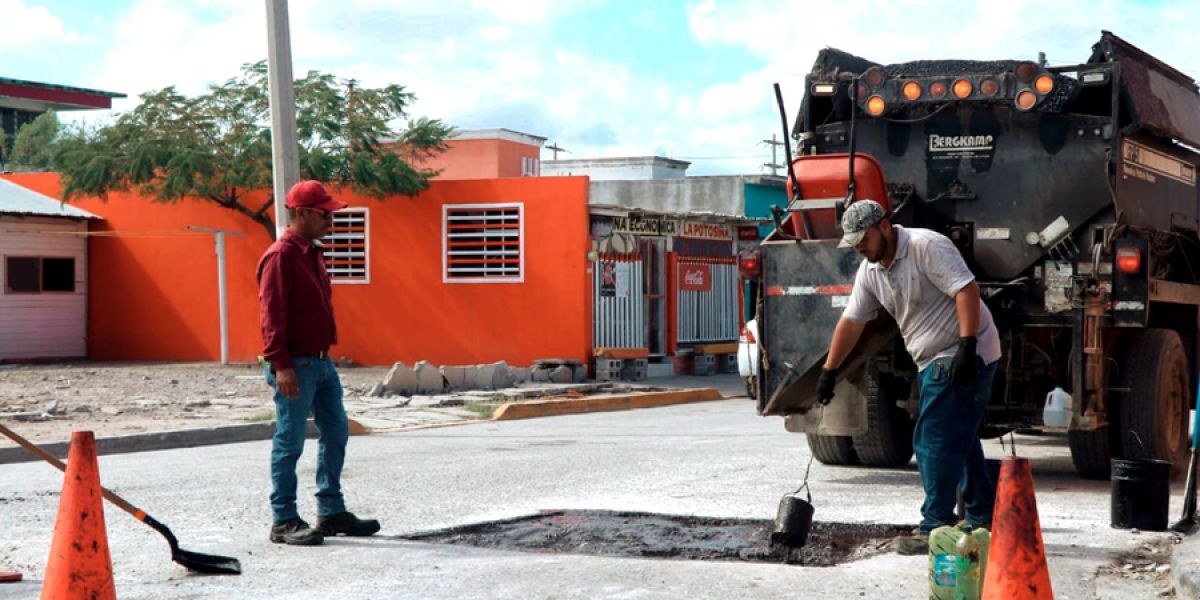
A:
[957,559]
[970,561]
[1057,412]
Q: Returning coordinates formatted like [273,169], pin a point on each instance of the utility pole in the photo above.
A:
[773,165]
[553,147]
[285,160]
[222,304]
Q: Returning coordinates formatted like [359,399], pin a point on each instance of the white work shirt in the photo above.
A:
[918,290]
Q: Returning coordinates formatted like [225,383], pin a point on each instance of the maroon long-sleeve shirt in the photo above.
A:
[295,301]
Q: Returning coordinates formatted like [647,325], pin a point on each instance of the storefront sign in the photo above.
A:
[707,231]
[747,233]
[695,278]
[645,225]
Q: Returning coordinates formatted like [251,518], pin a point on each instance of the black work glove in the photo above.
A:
[825,385]
[965,369]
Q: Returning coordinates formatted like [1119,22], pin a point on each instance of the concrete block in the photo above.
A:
[663,369]
[502,377]
[727,363]
[562,374]
[456,377]
[580,373]
[520,374]
[429,378]
[634,369]
[539,375]
[704,364]
[492,377]
[608,369]
[400,379]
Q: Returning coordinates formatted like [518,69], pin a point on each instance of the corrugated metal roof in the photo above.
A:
[16,200]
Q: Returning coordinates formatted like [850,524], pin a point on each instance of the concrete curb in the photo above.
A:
[167,440]
[549,407]
[1185,567]
[253,432]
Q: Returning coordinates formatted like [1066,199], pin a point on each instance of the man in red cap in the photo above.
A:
[296,310]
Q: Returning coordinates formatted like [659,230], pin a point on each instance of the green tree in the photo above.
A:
[31,149]
[217,146]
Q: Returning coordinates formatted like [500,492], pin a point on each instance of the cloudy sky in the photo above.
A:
[686,79]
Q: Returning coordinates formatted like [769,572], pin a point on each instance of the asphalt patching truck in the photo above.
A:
[1070,192]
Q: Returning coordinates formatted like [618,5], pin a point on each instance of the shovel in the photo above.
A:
[1188,520]
[193,561]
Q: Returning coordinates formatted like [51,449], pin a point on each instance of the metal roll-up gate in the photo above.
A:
[619,320]
[707,300]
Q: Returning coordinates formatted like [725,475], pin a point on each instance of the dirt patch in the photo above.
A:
[1149,562]
[647,535]
[45,403]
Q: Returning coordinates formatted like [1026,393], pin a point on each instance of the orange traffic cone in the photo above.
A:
[1016,566]
[80,565]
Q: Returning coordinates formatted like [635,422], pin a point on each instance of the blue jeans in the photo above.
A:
[320,395]
[946,441]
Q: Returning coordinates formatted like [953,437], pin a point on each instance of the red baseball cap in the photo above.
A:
[311,194]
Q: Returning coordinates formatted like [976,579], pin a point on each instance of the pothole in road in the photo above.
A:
[648,535]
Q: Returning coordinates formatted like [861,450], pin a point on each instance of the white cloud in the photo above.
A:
[23,26]
[478,63]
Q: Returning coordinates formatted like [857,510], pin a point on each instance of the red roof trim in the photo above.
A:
[55,95]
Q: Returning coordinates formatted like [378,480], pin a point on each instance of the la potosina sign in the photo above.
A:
[648,225]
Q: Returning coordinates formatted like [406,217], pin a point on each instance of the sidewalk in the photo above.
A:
[370,414]
[1185,567]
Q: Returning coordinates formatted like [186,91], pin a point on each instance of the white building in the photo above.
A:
[43,266]
[623,168]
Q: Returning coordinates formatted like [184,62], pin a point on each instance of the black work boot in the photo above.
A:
[345,523]
[295,532]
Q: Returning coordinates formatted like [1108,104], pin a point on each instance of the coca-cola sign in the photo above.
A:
[695,278]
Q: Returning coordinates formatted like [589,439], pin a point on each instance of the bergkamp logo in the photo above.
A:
[953,143]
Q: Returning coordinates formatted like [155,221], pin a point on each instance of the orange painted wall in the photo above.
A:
[481,159]
[153,286]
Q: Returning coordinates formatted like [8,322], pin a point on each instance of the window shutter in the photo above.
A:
[347,251]
[483,243]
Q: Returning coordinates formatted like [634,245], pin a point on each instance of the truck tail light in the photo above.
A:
[875,106]
[962,88]
[989,87]
[1026,100]
[747,336]
[874,77]
[1129,260]
[1025,70]
[749,264]
[1044,84]
[912,90]
[937,89]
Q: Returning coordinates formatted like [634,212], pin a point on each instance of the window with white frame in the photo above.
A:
[529,166]
[483,243]
[348,248]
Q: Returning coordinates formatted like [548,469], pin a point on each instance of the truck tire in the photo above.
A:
[1091,452]
[832,449]
[888,441]
[1154,412]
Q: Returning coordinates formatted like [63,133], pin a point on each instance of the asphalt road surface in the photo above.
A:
[713,459]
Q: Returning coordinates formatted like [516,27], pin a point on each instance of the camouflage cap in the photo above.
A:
[858,218]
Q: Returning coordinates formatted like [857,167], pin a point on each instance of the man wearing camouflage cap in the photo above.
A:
[919,277]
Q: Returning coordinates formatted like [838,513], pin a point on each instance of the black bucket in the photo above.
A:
[793,521]
[1141,494]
